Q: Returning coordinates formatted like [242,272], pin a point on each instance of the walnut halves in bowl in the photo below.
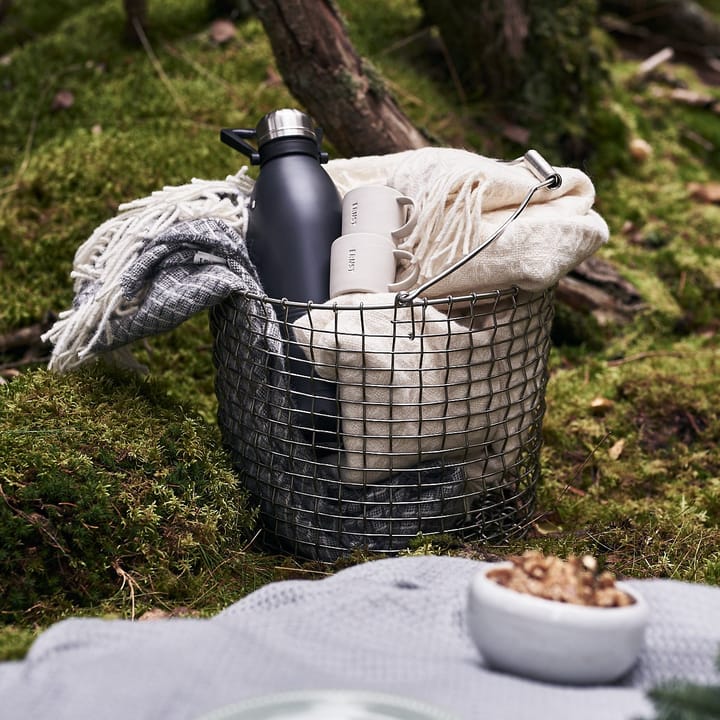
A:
[575,580]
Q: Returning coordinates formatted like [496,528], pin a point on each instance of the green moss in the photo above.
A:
[635,482]
[376,26]
[106,482]
[26,22]
[577,329]
[15,642]
[128,132]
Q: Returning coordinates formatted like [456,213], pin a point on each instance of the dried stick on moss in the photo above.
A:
[23,337]
[157,66]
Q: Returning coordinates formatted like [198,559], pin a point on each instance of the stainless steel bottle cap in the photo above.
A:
[286,122]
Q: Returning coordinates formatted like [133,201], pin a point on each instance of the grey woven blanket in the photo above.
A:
[396,626]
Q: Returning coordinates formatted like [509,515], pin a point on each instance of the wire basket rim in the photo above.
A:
[334,304]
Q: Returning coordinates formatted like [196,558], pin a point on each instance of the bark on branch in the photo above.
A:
[337,87]
[685,24]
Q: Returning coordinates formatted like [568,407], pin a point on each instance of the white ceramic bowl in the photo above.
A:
[554,641]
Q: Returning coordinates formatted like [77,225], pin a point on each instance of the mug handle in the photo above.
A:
[409,280]
[407,228]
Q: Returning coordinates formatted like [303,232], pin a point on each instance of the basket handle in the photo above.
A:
[547,177]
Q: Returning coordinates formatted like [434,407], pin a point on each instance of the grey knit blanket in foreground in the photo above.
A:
[394,626]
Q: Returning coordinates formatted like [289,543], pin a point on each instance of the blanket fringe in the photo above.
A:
[451,203]
[103,259]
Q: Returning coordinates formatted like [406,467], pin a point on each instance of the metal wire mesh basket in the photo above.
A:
[431,413]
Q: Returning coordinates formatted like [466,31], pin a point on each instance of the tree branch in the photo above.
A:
[324,72]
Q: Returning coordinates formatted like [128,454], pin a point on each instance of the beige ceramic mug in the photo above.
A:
[378,209]
[367,262]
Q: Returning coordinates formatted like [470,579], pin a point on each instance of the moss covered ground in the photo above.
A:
[99,464]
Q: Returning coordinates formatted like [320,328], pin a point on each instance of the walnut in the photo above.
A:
[575,580]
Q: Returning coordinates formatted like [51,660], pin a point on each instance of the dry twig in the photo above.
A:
[157,66]
[128,580]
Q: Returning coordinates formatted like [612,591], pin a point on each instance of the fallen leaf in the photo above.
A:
[158,614]
[154,614]
[272,78]
[616,450]
[63,100]
[575,491]
[545,528]
[628,227]
[222,31]
[705,192]
[516,133]
[640,149]
[601,405]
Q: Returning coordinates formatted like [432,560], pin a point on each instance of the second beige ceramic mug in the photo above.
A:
[378,209]
[367,262]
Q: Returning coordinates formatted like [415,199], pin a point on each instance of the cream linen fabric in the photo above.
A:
[468,393]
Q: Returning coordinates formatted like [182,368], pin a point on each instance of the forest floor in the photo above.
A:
[631,455]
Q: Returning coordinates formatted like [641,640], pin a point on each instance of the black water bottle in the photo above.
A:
[295,215]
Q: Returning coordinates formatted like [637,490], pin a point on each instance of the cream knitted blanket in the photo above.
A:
[462,198]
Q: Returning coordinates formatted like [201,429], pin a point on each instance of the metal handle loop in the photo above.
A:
[548,178]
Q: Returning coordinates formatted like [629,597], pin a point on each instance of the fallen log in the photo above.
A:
[596,286]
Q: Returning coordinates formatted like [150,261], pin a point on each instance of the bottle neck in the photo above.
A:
[288,146]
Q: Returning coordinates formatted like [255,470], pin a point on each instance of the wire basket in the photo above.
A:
[430,412]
